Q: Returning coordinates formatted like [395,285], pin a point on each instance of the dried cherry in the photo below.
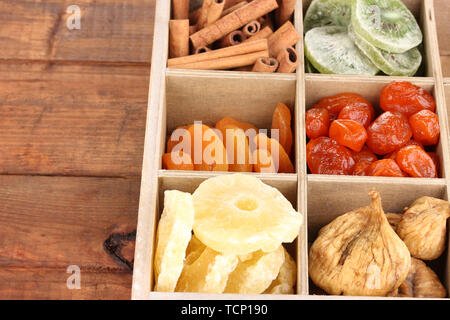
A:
[385,168]
[317,121]
[326,156]
[335,104]
[360,114]
[348,133]
[416,162]
[425,127]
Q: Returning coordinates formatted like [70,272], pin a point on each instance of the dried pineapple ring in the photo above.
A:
[173,235]
[208,273]
[239,214]
[255,275]
[285,281]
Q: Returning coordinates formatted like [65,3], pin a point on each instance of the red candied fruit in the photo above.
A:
[406,98]
[364,155]
[360,114]
[348,133]
[325,156]
[317,121]
[385,168]
[393,155]
[388,132]
[335,104]
[416,162]
[361,168]
[425,127]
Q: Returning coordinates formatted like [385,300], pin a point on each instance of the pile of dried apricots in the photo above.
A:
[345,138]
[250,149]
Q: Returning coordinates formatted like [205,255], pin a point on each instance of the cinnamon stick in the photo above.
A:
[210,12]
[233,8]
[285,11]
[180,9]
[201,50]
[230,3]
[178,38]
[251,28]
[288,60]
[285,36]
[261,34]
[232,21]
[203,16]
[265,65]
[232,39]
[240,49]
[226,62]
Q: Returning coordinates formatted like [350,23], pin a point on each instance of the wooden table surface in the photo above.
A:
[72,121]
[72,124]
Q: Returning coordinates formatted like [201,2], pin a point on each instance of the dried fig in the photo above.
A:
[394,219]
[422,282]
[423,227]
[359,254]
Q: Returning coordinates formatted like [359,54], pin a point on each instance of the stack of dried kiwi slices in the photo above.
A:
[362,37]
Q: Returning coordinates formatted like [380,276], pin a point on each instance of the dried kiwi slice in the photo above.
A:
[331,50]
[393,64]
[323,13]
[387,24]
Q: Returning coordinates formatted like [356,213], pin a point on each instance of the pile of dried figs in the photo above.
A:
[366,252]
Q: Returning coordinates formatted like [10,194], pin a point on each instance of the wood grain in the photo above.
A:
[117,31]
[42,283]
[72,119]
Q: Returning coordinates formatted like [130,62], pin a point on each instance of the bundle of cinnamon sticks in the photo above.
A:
[244,35]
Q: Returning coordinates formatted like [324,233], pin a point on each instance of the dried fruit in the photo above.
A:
[360,114]
[194,250]
[422,282]
[257,273]
[282,161]
[281,121]
[263,161]
[406,98]
[327,13]
[240,214]
[335,104]
[177,136]
[394,219]
[359,254]
[385,168]
[436,160]
[317,122]
[173,235]
[348,133]
[423,227]
[208,273]
[416,162]
[364,155]
[230,121]
[393,155]
[177,161]
[361,168]
[236,144]
[388,132]
[425,127]
[285,281]
[326,156]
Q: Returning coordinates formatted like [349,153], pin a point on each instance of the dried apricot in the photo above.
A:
[326,156]
[425,127]
[364,155]
[207,149]
[388,132]
[416,162]
[348,133]
[178,135]
[406,98]
[385,168]
[238,150]
[360,114]
[263,161]
[281,121]
[282,161]
[335,104]
[317,122]
[177,161]
[243,125]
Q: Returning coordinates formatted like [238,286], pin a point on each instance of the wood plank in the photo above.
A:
[442,13]
[445,62]
[54,222]
[111,30]
[41,283]
[71,119]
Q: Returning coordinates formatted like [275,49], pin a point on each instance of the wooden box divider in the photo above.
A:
[178,97]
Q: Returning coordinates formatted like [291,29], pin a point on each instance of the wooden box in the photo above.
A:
[178,97]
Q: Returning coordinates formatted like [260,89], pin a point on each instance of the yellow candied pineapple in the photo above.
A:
[238,213]
[285,281]
[173,235]
[194,250]
[208,273]
[255,275]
